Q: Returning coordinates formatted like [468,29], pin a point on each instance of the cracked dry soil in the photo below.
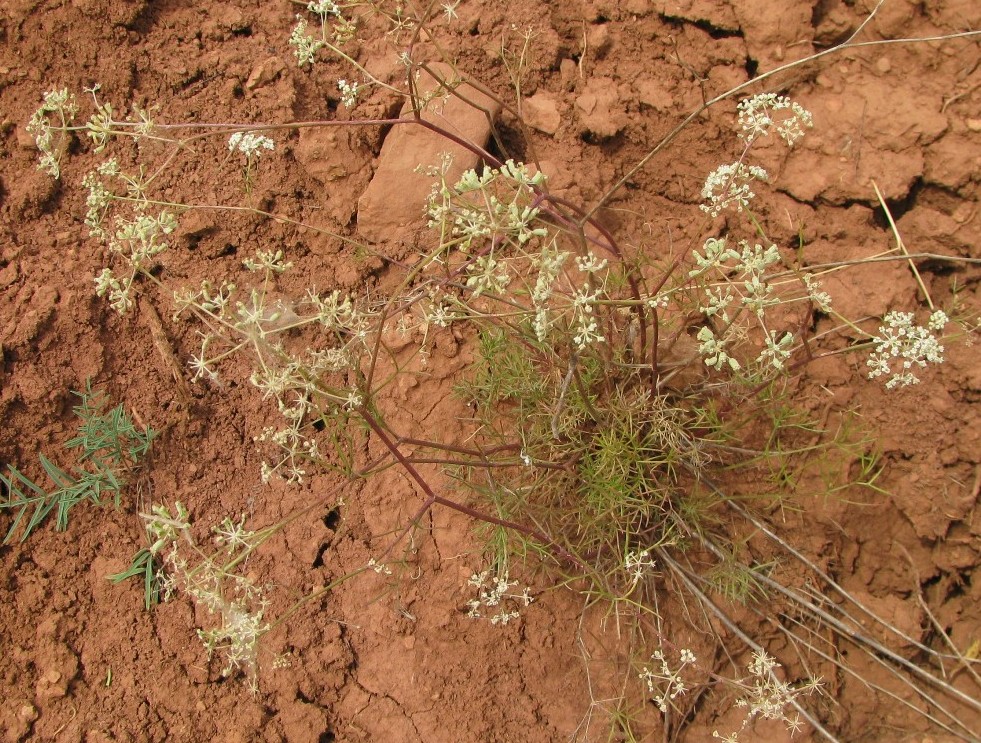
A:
[399,660]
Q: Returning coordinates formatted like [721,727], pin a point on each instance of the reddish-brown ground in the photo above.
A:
[398,659]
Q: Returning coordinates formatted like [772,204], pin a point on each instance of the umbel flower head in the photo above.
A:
[903,346]
[249,144]
[729,185]
[766,111]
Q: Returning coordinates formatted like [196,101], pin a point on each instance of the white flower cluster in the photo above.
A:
[550,262]
[99,197]
[242,611]
[323,7]
[756,117]
[296,380]
[714,350]
[638,563]
[590,263]
[745,285]
[267,260]
[163,528]
[233,535]
[493,594]
[440,312]
[234,598]
[250,144]
[729,185]
[901,341]
[138,241]
[587,326]
[62,104]
[814,292]
[767,697]
[349,93]
[487,274]
[473,210]
[667,684]
[305,46]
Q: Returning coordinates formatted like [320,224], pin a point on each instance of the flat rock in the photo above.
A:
[718,13]
[541,112]
[265,72]
[396,196]
[330,153]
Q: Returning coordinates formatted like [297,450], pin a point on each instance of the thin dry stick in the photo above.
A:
[853,634]
[874,650]
[162,343]
[793,638]
[900,244]
[830,581]
[964,663]
[709,605]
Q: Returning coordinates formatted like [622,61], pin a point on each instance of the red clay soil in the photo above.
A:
[397,658]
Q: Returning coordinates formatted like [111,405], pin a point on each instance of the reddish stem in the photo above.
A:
[433,498]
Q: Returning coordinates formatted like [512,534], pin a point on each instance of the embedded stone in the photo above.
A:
[541,112]
[265,72]
[395,199]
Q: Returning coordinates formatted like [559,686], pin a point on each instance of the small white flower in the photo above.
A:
[590,263]
[637,564]
[323,7]
[250,144]
[493,592]
[776,351]
[729,185]
[487,274]
[938,321]
[754,259]
[588,332]
[232,534]
[756,117]
[902,342]
[717,303]
[450,10]
[821,298]
[267,260]
[61,104]
[349,93]
[715,253]
[713,349]
[304,45]
[666,684]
